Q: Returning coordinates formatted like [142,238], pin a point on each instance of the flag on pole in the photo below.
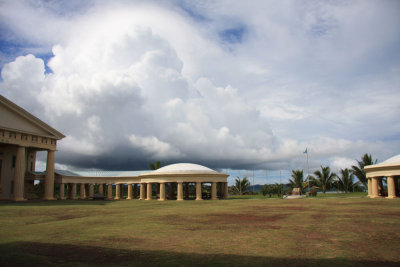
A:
[305,151]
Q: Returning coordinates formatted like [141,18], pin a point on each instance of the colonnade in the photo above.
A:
[375,188]
[19,175]
[69,190]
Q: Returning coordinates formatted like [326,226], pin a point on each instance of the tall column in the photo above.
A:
[198,191]
[73,191]
[214,191]
[369,186]
[130,194]
[162,191]
[391,187]
[101,189]
[62,196]
[109,191]
[82,193]
[19,174]
[225,185]
[149,191]
[180,191]
[375,187]
[91,191]
[135,191]
[117,191]
[49,179]
[142,191]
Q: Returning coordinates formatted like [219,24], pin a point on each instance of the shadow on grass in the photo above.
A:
[78,202]
[45,254]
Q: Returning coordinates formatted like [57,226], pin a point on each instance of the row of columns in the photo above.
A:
[148,195]
[146,192]
[375,187]
[19,175]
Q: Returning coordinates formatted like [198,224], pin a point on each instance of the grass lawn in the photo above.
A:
[234,232]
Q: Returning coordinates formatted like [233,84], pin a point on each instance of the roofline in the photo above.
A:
[31,117]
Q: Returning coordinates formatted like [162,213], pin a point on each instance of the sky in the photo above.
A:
[233,85]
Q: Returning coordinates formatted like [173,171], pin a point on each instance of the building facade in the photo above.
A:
[21,136]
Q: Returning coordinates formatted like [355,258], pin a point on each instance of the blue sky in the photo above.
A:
[228,84]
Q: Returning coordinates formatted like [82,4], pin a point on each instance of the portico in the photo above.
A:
[375,173]
[21,136]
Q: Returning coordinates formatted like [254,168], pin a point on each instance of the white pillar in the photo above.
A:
[180,191]
[73,191]
[130,194]
[91,191]
[142,191]
[19,174]
[109,191]
[375,193]
[49,179]
[225,190]
[214,191]
[82,193]
[369,186]
[149,192]
[162,191]
[117,191]
[391,187]
[198,191]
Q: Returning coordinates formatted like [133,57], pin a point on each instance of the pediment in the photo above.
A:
[14,118]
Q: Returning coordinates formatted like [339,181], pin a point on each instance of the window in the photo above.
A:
[14,158]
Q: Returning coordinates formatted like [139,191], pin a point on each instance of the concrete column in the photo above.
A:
[101,189]
[375,187]
[225,190]
[109,191]
[91,191]
[149,191]
[162,191]
[73,191]
[19,174]
[180,191]
[198,191]
[62,196]
[82,194]
[49,179]
[130,194]
[135,191]
[117,192]
[142,191]
[214,191]
[391,187]
[369,186]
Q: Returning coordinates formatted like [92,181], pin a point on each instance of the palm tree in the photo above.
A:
[298,179]
[359,172]
[346,181]
[324,178]
[155,165]
[241,186]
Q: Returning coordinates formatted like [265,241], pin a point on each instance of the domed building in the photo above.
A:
[179,176]
[390,168]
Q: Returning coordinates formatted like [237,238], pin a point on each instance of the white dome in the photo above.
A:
[395,159]
[184,168]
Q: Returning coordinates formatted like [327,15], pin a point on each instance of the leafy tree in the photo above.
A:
[359,172]
[324,178]
[272,189]
[155,165]
[241,186]
[298,180]
[346,181]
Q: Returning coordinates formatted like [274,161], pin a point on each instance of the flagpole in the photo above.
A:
[308,173]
